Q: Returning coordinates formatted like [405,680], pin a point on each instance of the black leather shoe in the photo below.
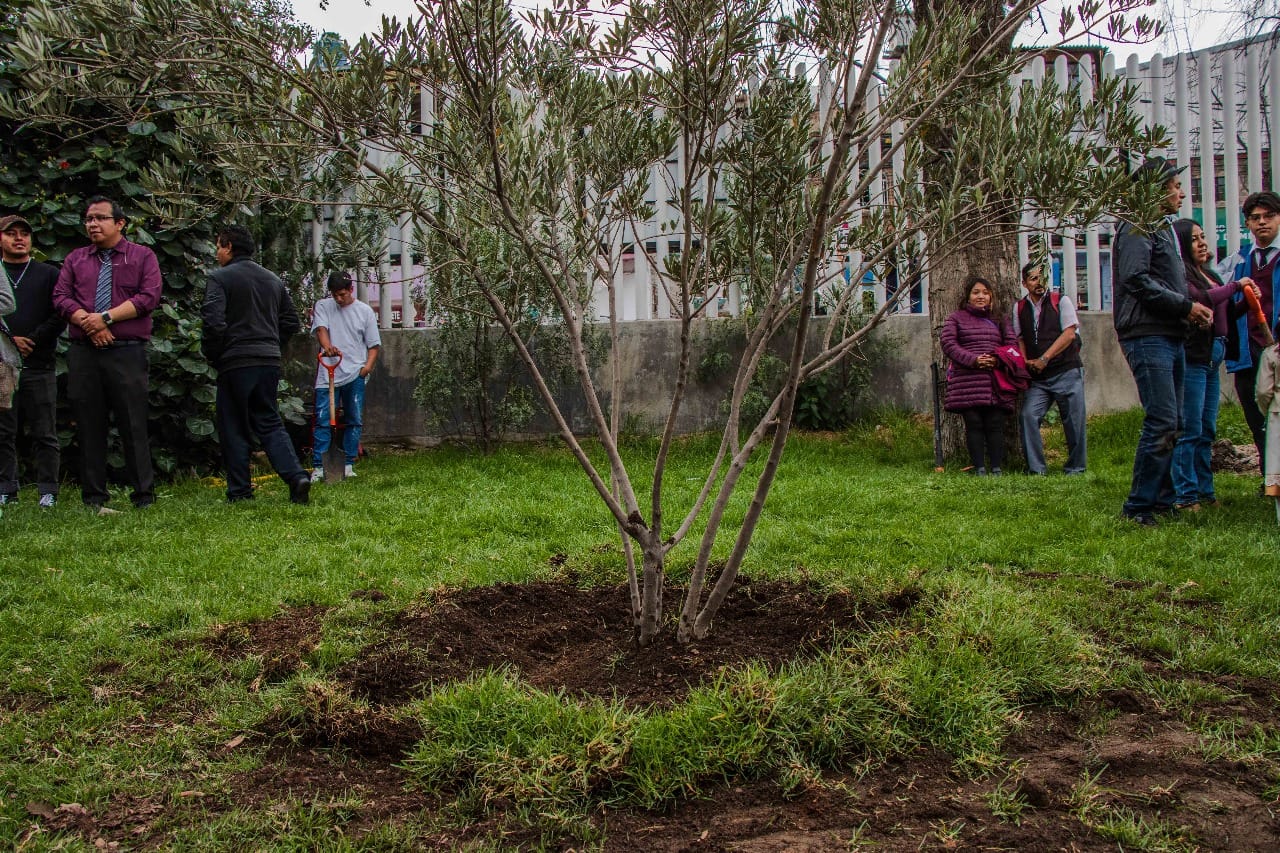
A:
[300,490]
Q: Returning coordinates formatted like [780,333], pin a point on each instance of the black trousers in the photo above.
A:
[984,435]
[34,414]
[247,408]
[1245,381]
[111,382]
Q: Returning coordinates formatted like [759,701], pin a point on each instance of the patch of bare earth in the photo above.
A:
[1070,770]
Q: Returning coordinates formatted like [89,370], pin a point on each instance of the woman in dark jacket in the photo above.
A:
[970,337]
[1206,347]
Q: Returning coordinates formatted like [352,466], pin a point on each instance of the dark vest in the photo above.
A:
[1262,277]
[1038,338]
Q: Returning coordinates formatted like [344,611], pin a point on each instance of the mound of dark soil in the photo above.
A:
[560,637]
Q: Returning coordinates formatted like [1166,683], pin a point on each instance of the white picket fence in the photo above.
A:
[1226,95]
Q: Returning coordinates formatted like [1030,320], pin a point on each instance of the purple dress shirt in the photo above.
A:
[135,277]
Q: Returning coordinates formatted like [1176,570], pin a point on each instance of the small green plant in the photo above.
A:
[1006,800]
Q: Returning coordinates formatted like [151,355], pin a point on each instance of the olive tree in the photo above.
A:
[766,124]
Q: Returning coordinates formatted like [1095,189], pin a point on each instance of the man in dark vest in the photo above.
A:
[1047,329]
[1260,261]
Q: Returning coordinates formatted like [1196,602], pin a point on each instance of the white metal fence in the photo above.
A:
[1219,105]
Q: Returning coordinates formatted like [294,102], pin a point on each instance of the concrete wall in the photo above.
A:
[649,350]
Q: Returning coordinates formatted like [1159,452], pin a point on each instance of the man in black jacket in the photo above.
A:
[1152,309]
[35,327]
[247,316]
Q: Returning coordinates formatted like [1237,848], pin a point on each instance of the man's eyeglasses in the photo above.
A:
[1259,217]
[98,217]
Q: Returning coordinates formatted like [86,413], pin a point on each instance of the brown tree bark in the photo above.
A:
[989,247]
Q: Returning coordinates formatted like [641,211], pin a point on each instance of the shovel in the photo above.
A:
[334,460]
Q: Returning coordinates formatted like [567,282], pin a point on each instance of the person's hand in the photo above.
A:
[1036,365]
[1247,282]
[331,351]
[365,370]
[25,345]
[1201,315]
[102,338]
[92,323]
[986,362]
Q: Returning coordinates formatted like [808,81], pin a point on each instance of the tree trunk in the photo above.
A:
[651,594]
[993,254]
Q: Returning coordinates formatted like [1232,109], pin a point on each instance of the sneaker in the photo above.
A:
[48,501]
[300,489]
[317,475]
[106,510]
[1144,519]
[349,471]
[8,498]
[997,472]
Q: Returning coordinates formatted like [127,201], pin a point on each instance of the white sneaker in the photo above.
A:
[106,510]
[317,475]
[48,501]
[349,471]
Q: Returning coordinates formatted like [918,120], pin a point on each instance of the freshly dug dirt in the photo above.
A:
[1072,779]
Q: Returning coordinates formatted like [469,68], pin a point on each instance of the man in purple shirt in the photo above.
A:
[107,291]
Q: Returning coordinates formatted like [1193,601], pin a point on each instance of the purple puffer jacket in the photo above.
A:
[967,334]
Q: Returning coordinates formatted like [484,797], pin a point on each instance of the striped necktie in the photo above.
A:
[1261,259]
[102,296]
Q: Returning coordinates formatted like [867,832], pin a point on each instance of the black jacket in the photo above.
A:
[1149,285]
[248,314]
[35,316]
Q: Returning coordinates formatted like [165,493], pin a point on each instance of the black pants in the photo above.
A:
[34,413]
[1245,381]
[984,435]
[247,408]
[111,381]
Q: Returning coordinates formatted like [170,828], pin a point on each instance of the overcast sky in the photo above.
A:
[1192,24]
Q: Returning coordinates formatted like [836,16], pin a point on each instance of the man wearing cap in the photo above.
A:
[344,326]
[1259,261]
[248,314]
[34,327]
[1152,309]
[107,291]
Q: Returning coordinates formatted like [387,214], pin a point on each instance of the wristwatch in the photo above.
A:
[106,318]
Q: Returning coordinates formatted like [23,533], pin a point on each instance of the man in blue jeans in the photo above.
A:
[1152,310]
[344,326]
[1046,326]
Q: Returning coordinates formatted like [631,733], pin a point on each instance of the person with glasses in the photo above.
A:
[107,291]
[1258,261]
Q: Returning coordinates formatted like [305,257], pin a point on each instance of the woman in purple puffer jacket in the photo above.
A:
[970,337]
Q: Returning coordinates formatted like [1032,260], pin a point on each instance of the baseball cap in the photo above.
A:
[1158,169]
[7,222]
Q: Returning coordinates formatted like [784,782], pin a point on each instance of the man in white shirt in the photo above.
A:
[1046,326]
[344,326]
[1259,261]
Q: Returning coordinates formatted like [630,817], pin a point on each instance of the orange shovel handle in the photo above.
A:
[333,411]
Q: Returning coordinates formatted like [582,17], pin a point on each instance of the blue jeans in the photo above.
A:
[1157,364]
[246,407]
[350,398]
[1067,390]
[1192,474]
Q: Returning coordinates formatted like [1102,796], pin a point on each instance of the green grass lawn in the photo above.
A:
[1036,591]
